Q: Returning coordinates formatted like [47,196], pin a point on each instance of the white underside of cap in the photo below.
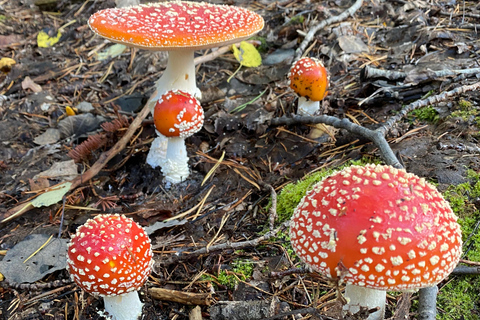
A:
[365,297]
[307,107]
[170,154]
[124,307]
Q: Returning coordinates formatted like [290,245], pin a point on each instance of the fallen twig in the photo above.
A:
[188,298]
[311,33]
[223,246]
[387,125]
[273,209]
[377,137]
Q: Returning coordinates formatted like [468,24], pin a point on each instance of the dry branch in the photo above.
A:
[188,298]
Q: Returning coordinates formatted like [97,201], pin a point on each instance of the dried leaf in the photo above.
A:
[51,258]
[63,170]
[28,83]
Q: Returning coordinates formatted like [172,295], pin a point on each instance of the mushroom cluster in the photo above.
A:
[310,80]
[376,228]
[179,27]
[177,115]
[111,256]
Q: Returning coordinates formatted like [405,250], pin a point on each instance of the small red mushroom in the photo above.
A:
[177,115]
[376,228]
[111,256]
[309,79]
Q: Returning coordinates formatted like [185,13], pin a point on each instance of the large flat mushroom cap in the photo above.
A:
[176,25]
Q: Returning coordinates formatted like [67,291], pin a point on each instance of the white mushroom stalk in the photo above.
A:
[307,107]
[179,74]
[170,154]
[367,298]
[124,307]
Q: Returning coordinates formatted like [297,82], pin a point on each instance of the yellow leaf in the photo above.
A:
[70,111]
[247,55]
[6,64]
[45,41]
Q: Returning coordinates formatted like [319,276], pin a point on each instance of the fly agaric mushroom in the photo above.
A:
[309,79]
[376,228]
[111,256]
[177,115]
[180,27]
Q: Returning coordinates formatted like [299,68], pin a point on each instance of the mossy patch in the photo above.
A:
[427,114]
[241,269]
[459,298]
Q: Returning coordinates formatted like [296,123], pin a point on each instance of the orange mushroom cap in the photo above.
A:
[176,25]
[309,78]
[178,114]
[110,255]
[377,227]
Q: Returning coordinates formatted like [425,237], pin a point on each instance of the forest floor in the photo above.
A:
[434,45]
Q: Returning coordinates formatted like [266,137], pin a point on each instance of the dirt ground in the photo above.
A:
[425,40]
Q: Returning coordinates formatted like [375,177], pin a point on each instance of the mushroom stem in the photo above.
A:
[307,107]
[171,155]
[179,74]
[124,307]
[365,297]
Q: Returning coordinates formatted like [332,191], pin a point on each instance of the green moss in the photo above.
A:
[466,111]
[465,105]
[242,269]
[458,299]
[427,114]
[297,20]
[226,279]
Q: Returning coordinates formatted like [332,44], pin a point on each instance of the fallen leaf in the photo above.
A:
[44,40]
[51,197]
[6,64]
[50,258]
[63,170]
[28,83]
[112,52]
[50,136]
[247,55]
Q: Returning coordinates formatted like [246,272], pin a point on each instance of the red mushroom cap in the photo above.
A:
[109,255]
[309,78]
[176,24]
[377,227]
[178,114]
